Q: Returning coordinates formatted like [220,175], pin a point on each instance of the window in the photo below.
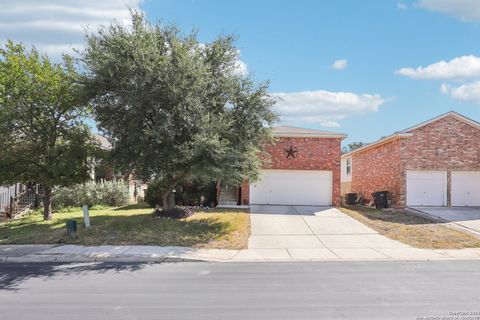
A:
[349,165]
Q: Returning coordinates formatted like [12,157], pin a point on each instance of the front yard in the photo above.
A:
[411,229]
[133,225]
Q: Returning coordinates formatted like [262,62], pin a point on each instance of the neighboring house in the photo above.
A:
[304,169]
[25,198]
[6,195]
[346,175]
[104,172]
[101,171]
[435,163]
[17,198]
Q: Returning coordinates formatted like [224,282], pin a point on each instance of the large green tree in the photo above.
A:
[176,109]
[43,139]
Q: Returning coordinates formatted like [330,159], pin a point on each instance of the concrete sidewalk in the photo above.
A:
[278,233]
[74,253]
[77,253]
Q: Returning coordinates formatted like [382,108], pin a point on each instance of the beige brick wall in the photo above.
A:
[346,187]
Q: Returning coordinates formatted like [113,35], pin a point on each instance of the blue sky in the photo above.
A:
[295,44]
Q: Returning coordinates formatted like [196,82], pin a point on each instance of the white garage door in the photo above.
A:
[426,188]
[465,188]
[292,187]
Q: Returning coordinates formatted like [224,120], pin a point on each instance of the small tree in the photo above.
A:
[176,109]
[353,146]
[42,137]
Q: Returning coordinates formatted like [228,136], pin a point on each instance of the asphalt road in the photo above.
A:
[323,290]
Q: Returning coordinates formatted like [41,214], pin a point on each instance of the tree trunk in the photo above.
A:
[47,203]
[218,189]
[168,200]
[171,200]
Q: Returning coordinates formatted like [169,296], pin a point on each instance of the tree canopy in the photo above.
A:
[176,109]
[353,146]
[43,139]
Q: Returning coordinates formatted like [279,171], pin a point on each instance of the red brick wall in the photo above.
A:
[378,169]
[313,154]
[447,144]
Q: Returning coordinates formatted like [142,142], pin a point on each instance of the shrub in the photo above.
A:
[112,193]
[153,194]
[109,193]
[174,213]
[188,194]
[64,198]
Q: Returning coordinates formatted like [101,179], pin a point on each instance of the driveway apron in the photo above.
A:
[313,232]
[467,217]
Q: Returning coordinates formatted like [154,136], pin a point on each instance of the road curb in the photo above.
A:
[65,258]
[172,259]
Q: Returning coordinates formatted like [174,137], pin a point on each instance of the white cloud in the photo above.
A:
[457,68]
[469,92]
[460,68]
[465,10]
[241,68]
[402,6]
[444,88]
[56,26]
[340,64]
[330,124]
[323,107]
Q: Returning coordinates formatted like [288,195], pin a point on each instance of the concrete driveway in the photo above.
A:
[309,232]
[466,217]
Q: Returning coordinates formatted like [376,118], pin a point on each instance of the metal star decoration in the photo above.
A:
[291,152]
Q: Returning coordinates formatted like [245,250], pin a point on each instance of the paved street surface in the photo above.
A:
[199,290]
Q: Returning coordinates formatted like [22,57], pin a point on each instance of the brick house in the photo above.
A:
[435,163]
[304,169]
[104,172]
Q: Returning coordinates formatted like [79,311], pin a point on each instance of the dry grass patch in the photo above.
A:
[133,225]
[411,229]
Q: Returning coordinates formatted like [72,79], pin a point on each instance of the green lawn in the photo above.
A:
[132,225]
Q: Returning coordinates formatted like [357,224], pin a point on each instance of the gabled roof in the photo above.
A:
[454,114]
[391,137]
[289,131]
[104,143]
[407,132]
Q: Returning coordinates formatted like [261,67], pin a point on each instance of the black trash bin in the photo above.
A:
[351,199]
[380,198]
[72,228]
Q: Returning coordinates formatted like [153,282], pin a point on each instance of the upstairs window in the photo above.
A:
[348,166]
